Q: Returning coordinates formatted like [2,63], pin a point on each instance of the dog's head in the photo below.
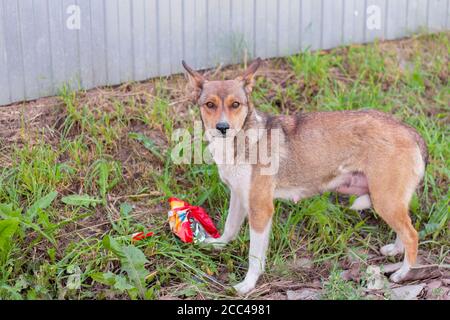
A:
[224,105]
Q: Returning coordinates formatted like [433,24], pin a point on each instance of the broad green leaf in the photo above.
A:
[132,261]
[42,203]
[7,211]
[81,200]
[122,283]
[7,229]
[107,278]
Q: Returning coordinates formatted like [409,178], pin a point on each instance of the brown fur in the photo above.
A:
[260,201]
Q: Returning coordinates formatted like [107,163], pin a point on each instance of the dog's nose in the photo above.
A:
[223,127]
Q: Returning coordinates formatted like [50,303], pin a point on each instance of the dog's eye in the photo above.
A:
[210,105]
[235,105]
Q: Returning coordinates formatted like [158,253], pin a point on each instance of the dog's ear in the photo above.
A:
[196,80]
[248,77]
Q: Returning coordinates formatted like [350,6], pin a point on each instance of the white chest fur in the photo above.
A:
[236,175]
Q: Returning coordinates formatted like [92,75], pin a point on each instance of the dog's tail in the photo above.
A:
[423,149]
[421,144]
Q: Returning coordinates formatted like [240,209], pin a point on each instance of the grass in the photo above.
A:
[75,186]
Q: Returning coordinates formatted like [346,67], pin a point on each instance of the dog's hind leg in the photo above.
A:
[396,216]
[235,218]
[408,237]
[391,191]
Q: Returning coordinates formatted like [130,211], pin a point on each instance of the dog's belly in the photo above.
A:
[346,183]
[349,183]
[292,193]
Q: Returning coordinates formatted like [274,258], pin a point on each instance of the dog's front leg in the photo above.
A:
[260,220]
[259,242]
[235,218]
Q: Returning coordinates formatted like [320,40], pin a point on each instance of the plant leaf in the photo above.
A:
[7,211]
[42,204]
[132,261]
[81,200]
[7,229]
[122,283]
[107,278]
[103,174]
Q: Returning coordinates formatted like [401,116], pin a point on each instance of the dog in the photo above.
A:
[366,153]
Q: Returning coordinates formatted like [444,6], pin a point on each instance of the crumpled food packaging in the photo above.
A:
[190,223]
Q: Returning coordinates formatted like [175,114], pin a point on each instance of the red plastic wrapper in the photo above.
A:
[141,235]
[190,223]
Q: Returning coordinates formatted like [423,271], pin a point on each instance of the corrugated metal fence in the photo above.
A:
[86,43]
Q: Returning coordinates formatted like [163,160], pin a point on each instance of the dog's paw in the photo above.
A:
[401,274]
[390,250]
[217,244]
[398,276]
[244,287]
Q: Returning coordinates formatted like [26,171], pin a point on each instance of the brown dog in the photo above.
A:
[367,153]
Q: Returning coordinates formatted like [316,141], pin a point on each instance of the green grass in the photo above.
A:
[72,196]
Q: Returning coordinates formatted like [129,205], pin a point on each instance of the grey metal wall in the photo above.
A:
[122,40]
